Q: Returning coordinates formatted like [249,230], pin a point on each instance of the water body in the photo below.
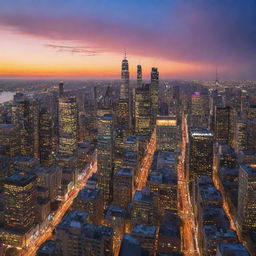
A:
[6,96]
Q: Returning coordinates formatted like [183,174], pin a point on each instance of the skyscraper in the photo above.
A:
[20,201]
[167,133]
[201,153]
[154,94]
[222,118]
[25,115]
[142,110]
[105,157]
[124,91]
[68,126]
[247,197]
[61,89]
[45,138]
[139,76]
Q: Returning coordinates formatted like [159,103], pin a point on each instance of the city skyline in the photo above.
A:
[187,40]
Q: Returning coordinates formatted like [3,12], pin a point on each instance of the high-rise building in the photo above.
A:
[61,89]
[90,201]
[167,133]
[75,237]
[20,201]
[142,110]
[46,134]
[201,153]
[122,115]
[196,109]
[123,187]
[154,94]
[9,139]
[124,91]
[247,197]
[240,136]
[25,115]
[222,126]
[144,207]
[105,157]
[68,126]
[139,76]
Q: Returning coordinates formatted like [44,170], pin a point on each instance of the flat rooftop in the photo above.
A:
[20,178]
[234,249]
[145,230]
[73,219]
[88,194]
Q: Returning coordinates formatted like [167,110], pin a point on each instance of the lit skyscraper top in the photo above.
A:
[125,79]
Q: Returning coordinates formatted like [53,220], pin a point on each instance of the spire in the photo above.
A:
[125,54]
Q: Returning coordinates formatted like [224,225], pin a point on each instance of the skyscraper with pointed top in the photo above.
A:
[124,92]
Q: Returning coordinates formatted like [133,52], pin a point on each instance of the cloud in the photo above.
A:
[199,31]
[88,51]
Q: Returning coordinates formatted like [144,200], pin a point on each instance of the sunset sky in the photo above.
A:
[88,38]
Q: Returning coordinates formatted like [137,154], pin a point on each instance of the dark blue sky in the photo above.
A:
[205,32]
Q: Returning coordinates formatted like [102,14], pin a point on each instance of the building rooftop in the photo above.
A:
[73,219]
[201,132]
[96,231]
[20,178]
[131,140]
[47,248]
[210,193]
[144,230]
[115,211]
[125,172]
[106,117]
[250,169]
[88,194]
[164,175]
[166,158]
[234,249]
[211,231]
[144,195]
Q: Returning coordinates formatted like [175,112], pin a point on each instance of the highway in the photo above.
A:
[189,230]
[47,234]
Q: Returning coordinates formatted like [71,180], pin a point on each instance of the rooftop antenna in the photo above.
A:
[125,54]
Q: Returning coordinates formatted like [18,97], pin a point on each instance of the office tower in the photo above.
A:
[144,207]
[124,91]
[196,109]
[46,142]
[147,236]
[122,115]
[20,201]
[68,126]
[142,110]
[251,134]
[247,197]
[115,218]
[154,94]
[9,139]
[164,183]
[169,236]
[222,126]
[226,157]
[139,76]
[49,178]
[90,201]
[105,157]
[75,237]
[200,153]
[123,187]
[25,115]
[167,133]
[61,89]
[240,136]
